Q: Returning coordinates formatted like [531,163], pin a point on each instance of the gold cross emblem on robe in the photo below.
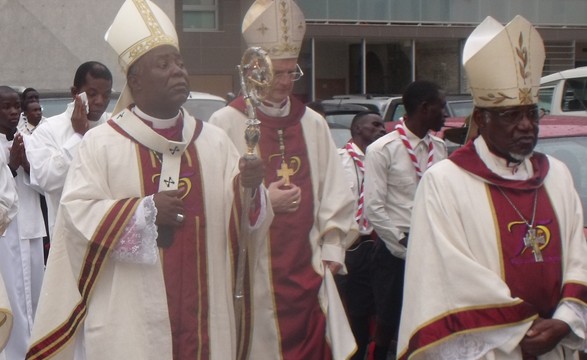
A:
[285,172]
[533,240]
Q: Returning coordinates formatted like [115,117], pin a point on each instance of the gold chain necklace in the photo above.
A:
[532,239]
[284,171]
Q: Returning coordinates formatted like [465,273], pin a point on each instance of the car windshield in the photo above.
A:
[341,119]
[340,135]
[572,151]
[202,109]
[57,105]
[460,108]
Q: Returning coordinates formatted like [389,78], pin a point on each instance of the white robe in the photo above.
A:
[333,230]
[126,316]
[8,210]
[453,265]
[50,150]
[22,261]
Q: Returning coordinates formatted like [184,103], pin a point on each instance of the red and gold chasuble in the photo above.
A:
[302,324]
[539,284]
[184,261]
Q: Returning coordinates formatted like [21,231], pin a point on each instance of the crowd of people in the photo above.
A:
[385,248]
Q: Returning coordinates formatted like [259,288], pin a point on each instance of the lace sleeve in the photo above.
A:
[138,243]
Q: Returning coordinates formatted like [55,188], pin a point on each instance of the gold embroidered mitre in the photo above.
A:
[504,64]
[139,26]
[277,26]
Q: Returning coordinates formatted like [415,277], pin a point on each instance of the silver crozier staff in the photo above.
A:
[256,74]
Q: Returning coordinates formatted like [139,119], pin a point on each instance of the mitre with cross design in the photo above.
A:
[277,26]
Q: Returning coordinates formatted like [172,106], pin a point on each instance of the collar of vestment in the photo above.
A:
[469,160]
[276,110]
[296,112]
[170,150]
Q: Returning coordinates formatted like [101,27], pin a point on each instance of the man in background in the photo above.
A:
[393,168]
[21,248]
[356,287]
[54,144]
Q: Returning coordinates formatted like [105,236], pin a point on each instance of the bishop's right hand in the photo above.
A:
[170,209]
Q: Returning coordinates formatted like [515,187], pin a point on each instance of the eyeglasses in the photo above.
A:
[515,116]
[291,75]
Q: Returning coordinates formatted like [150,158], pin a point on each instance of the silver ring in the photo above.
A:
[295,202]
[179,218]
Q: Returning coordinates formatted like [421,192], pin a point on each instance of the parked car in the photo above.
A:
[55,102]
[373,102]
[340,134]
[456,106]
[565,138]
[564,93]
[342,114]
[202,105]
[339,118]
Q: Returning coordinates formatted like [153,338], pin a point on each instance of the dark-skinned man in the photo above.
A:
[496,261]
[355,287]
[393,168]
[21,246]
[54,144]
[141,264]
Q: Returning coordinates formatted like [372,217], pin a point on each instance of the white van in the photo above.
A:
[564,93]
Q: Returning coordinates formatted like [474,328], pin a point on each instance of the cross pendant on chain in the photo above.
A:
[285,172]
[533,241]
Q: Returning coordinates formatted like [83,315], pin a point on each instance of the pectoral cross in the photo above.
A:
[285,172]
[533,241]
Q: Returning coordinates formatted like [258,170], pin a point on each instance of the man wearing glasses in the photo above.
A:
[313,205]
[496,263]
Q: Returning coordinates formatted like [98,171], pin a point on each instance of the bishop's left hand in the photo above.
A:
[543,336]
[252,172]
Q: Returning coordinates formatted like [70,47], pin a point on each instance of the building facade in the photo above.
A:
[351,46]
[375,46]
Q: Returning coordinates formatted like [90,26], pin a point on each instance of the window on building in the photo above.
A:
[200,15]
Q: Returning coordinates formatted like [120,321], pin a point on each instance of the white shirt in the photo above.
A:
[355,177]
[391,182]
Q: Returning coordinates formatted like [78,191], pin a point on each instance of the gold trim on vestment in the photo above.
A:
[476,330]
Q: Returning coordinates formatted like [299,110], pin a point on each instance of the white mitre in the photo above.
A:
[139,27]
[277,26]
[504,64]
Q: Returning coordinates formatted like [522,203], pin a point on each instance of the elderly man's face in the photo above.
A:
[283,80]
[161,83]
[511,132]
